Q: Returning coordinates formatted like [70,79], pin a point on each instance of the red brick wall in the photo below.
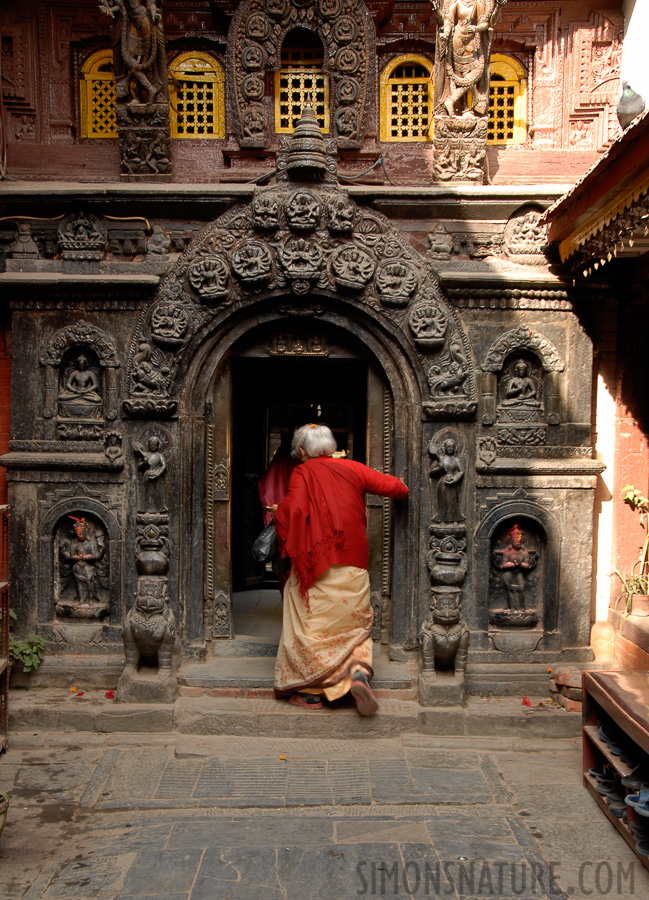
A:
[5,401]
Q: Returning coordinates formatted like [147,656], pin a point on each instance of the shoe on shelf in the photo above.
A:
[366,702]
[642,847]
[306,701]
[617,808]
[608,787]
[638,779]
[599,772]
[639,802]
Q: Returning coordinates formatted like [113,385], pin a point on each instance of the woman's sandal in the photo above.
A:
[366,702]
[306,701]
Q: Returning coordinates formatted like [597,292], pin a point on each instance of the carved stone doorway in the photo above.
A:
[276,376]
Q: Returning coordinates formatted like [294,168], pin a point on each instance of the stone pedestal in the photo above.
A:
[144,141]
[460,149]
[441,688]
[146,686]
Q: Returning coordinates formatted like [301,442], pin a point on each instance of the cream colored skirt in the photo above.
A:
[326,636]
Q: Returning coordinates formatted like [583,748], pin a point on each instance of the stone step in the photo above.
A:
[257,673]
[56,709]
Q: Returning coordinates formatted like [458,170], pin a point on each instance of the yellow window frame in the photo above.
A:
[386,84]
[302,72]
[513,83]
[193,77]
[98,95]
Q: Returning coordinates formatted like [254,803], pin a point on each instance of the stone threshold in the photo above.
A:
[60,710]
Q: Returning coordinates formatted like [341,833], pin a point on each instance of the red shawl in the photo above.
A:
[321,521]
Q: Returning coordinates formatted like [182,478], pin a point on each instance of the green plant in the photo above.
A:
[29,651]
[637,582]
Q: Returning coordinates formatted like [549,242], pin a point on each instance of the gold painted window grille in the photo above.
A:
[507,102]
[98,96]
[301,77]
[406,100]
[196,97]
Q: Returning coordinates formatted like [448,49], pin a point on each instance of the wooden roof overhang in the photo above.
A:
[606,214]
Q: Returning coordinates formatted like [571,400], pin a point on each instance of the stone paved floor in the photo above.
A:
[129,817]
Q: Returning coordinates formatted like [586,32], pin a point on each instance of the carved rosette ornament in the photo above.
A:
[461,87]
[255,40]
[306,236]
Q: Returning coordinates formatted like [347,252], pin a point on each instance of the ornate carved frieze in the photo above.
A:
[255,40]
[82,236]
[510,298]
[526,239]
[522,338]
[296,345]
[309,239]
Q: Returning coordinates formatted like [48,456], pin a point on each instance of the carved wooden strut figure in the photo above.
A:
[465,32]
[138,49]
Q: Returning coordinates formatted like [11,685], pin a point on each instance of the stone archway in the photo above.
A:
[301,249]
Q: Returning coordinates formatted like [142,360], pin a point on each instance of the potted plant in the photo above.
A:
[635,585]
[29,651]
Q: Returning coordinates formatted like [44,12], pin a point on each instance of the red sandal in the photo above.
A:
[366,702]
[306,701]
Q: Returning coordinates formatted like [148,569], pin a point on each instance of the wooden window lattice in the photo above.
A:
[197,97]
[300,78]
[98,97]
[406,102]
[502,118]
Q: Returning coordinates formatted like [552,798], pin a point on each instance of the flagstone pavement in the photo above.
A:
[179,817]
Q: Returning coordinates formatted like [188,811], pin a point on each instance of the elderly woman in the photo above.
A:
[326,643]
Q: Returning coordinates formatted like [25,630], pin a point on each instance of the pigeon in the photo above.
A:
[629,106]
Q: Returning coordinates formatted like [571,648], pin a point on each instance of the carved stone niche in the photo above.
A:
[520,410]
[81,567]
[517,575]
[80,381]
[520,387]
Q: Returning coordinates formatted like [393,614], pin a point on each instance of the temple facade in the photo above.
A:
[217,216]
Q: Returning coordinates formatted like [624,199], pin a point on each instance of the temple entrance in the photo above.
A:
[271,383]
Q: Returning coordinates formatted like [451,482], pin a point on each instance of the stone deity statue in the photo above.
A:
[465,29]
[521,389]
[138,49]
[514,560]
[154,465]
[83,552]
[79,396]
[449,467]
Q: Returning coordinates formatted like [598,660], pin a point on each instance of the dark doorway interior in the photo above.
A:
[268,395]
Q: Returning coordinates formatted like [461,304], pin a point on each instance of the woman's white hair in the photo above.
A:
[315,440]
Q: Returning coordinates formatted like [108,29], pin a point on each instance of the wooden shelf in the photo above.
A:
[611,697]
[592,734]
